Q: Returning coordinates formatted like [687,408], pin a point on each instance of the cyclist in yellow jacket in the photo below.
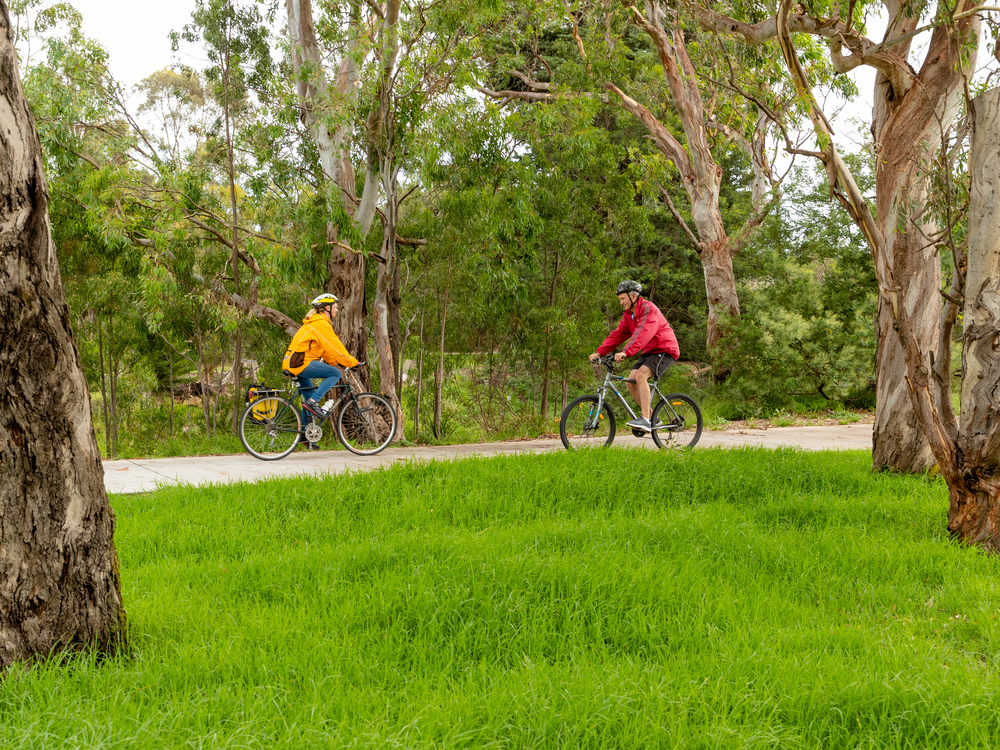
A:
[314,351]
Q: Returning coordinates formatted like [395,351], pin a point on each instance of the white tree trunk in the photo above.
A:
[906,125]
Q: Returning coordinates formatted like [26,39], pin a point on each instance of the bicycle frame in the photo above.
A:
[609,383]
[295,392]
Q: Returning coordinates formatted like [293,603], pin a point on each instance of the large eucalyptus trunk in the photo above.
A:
[974,484]
[386,308]
[907,128]
[59,581]
[345,267]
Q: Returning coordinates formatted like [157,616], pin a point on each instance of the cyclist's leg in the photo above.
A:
[640,389]
[318,369]
[330,375]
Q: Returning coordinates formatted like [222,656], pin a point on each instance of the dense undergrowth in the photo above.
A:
[152,428]
[619,598]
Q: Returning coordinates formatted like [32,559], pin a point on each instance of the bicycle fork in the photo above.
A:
[595,413]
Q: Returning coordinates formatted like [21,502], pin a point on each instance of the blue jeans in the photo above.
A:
[317,369]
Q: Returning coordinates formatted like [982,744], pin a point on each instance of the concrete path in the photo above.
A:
[143,475]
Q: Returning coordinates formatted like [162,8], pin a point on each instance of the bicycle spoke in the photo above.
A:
[585,425]
[366,424]
[269,428]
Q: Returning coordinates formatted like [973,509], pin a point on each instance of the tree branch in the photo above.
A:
[698,246]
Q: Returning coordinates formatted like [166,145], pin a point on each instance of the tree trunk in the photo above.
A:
[345,268]
[234,258]
[907,126]
[170,362]
[59,582]
[974,502]
[700,175]
[420,376]
[898,440]
[383,307]
[439,371]
[104,391]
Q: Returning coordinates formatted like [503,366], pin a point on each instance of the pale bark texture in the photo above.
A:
[346,268]
[974,508]
[59,580]
[381,127]
[699,173]
[908,118]
[912,111]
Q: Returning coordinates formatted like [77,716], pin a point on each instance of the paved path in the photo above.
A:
[143,475]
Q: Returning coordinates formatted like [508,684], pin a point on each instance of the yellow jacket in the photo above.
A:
[315,340]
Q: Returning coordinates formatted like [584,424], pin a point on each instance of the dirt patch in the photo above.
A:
[797,421]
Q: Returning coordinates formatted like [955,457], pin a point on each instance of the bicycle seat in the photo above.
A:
[287,373]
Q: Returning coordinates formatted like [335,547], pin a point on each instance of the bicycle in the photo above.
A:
[588,422]
[271,426]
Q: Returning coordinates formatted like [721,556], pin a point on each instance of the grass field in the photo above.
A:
[612,599]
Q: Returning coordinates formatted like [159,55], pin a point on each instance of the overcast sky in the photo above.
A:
[136,33]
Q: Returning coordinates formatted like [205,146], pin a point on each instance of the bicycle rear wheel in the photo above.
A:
[366,423]
[681,418]
[584,426]
[269,428]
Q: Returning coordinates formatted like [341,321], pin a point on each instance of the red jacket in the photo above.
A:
[647,331]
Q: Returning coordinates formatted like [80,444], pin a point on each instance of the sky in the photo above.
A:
[136,34]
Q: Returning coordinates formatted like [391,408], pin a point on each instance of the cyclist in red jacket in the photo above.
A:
[650,337]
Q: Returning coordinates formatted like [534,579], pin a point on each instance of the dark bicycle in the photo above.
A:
[588,422]
[271,425]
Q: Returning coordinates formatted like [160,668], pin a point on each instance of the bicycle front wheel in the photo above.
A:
[269,428]
[681,420]
[583,425]
[366,424]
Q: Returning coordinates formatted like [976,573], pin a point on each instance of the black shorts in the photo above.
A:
[658,362]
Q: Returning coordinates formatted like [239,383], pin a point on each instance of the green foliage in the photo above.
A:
[809,301]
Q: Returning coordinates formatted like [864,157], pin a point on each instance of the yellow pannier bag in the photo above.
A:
[256,393]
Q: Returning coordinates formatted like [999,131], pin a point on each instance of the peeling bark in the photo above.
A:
[59,580]
[974,492]
[699,173]
[908,118]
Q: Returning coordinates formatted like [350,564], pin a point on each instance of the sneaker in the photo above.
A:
[640,424]
[313,405]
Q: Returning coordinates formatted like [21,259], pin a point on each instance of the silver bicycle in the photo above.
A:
[589,422]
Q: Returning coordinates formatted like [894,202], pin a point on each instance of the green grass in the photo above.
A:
[617,599]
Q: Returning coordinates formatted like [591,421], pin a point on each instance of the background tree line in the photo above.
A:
[464,179]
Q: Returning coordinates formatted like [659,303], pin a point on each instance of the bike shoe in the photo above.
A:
[313,405]
[303,443]
[640,424]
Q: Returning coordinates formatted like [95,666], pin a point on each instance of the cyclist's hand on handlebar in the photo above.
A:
[594,357]
[619,356]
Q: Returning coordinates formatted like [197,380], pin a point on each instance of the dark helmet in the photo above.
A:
[629,286]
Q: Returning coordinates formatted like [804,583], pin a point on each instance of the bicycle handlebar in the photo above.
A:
[608,361]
